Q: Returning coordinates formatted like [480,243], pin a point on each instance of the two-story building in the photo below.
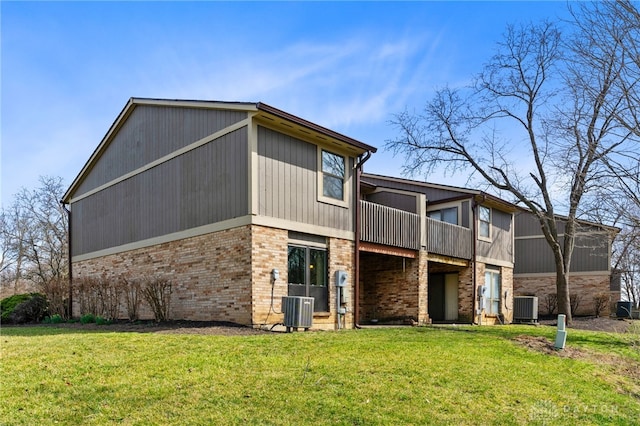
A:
[239,204]
[590,278]
[451,260]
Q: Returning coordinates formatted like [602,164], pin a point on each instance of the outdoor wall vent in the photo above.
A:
[525,309]
[298,312]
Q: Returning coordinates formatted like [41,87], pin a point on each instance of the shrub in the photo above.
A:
[109,291]
[31,310]
[132,294]
[102,321]
[86,295]
[56,291]
[87,319]
[551,303]
[574,301]
[157,292]
[600,303]
[8,304]
[53,319]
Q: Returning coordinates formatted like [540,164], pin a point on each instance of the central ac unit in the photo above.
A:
[298,312]
[525,309]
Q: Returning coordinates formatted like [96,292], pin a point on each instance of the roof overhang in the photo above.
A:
[261,111]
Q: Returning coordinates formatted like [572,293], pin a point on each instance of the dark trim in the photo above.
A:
[312,126]
[70,266]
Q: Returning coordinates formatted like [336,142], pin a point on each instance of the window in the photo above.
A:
[484,222]
[307,275]
[333,175]
[493,283]
[449,215]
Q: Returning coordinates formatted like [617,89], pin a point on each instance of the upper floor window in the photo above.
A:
[484,222]
[333,175]
[449,215]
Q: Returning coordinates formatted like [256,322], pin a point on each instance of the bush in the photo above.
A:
[574,301]
[53,319]
[102,321]
[87,319]
[7,305]
[31,310]
[157,292]
[551,303]
[600,303]
[132,297]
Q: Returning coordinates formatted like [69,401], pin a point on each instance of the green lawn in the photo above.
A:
[422,375]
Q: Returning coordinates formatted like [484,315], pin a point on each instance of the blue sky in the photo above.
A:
[68,68]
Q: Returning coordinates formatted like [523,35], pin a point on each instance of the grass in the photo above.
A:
[430,375]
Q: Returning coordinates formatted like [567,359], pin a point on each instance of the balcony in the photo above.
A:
[397,228]
[388,226]
[449,240]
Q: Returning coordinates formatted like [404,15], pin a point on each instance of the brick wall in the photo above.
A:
[392,288]
[585,287]
[269,251]
[210,274]
[341,258]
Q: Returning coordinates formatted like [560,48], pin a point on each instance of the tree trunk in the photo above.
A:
[562,289]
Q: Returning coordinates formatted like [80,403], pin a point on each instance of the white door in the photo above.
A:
[451,297]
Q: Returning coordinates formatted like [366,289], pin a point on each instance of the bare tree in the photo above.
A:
[35,234]
[558,103]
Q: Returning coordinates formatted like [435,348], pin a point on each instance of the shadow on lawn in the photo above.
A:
[173,327]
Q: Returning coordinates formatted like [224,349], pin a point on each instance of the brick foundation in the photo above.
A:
[225,276]
[210,274]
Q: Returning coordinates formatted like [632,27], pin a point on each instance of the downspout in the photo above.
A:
[69,258]
[356,262]
[473,261]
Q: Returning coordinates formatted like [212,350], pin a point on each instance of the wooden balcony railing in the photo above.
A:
[392,227]
[449,240]
[397,228]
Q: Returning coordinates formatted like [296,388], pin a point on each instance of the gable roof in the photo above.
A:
[261,109]
[465,193]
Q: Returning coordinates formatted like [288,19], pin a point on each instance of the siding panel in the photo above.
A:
[151,132]
[288,182]
[203,186]
[501,245]
[533,255]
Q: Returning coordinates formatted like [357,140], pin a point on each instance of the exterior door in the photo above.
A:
[443,297]
[451,297]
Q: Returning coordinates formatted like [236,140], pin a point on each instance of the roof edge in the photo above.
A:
[313,126]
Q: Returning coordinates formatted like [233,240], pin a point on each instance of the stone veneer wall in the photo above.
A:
[585,286]
[210,274]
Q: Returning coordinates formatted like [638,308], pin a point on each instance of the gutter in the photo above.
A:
[356,263]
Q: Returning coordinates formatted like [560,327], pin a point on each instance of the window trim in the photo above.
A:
[488,238]
[345,181]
